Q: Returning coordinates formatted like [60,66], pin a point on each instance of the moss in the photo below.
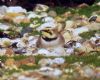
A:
[23,24]
[35,32]
[9,72]
[3,58]
[88,35]
[88,59]
[81,11]
[19,57]
[26,67]
[88,10]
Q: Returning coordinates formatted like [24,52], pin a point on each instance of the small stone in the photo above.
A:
[9,52]
[43,52]
[2,52]
[47,24]
[98,3]
[80,30]
[88,72]
[27,61]
[3,10]
[83,5]
[58,51]
[59,19]
[41,8]
[50,71]
[69,51]
[58,61]
[43,14]
[16,9]
[4,26]
[1,64]
[69,24]
[52,13]
[6,42]
[97,71]
[45,62]
[10,64]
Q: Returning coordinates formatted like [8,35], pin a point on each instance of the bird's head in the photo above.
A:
[49,33]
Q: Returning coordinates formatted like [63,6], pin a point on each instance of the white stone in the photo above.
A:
[16,40]
[4,26]
[45,62]
[43,52]
[4,42]
[80,30]
[33,15]
[21,44]
[3,10]
[57,72]
[88,72]
[58,60]
[2,52]
[78,45]
[48,19]
[50,71]
[98,3]
[22,77]
[18,18]
[16,9]
[43,14]
[44,69]
[15,74]
[69,51]
[47,24]
[41,7]
[58,51]
[69,24]
[32,41]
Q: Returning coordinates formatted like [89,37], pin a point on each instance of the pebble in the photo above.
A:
[16,9]
[69,24]
[58,52]
[2,52]
[43,52]
[22,77]
[80,30]
[52,13]
[3,10]
[49,62]
[33,15]
[58,60]
[45,62]
[45,25]
[50,71]
[5,42]
[98,3]
[4,27]
[43,14]
[69,51]
[41,8]
[88,72]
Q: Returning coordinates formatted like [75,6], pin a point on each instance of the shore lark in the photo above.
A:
[50,38]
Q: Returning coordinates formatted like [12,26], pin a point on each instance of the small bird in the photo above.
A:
[92,18]
[50,38]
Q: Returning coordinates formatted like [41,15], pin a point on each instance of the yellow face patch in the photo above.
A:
[48,33]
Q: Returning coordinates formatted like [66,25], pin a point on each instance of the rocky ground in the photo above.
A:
[77,59]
